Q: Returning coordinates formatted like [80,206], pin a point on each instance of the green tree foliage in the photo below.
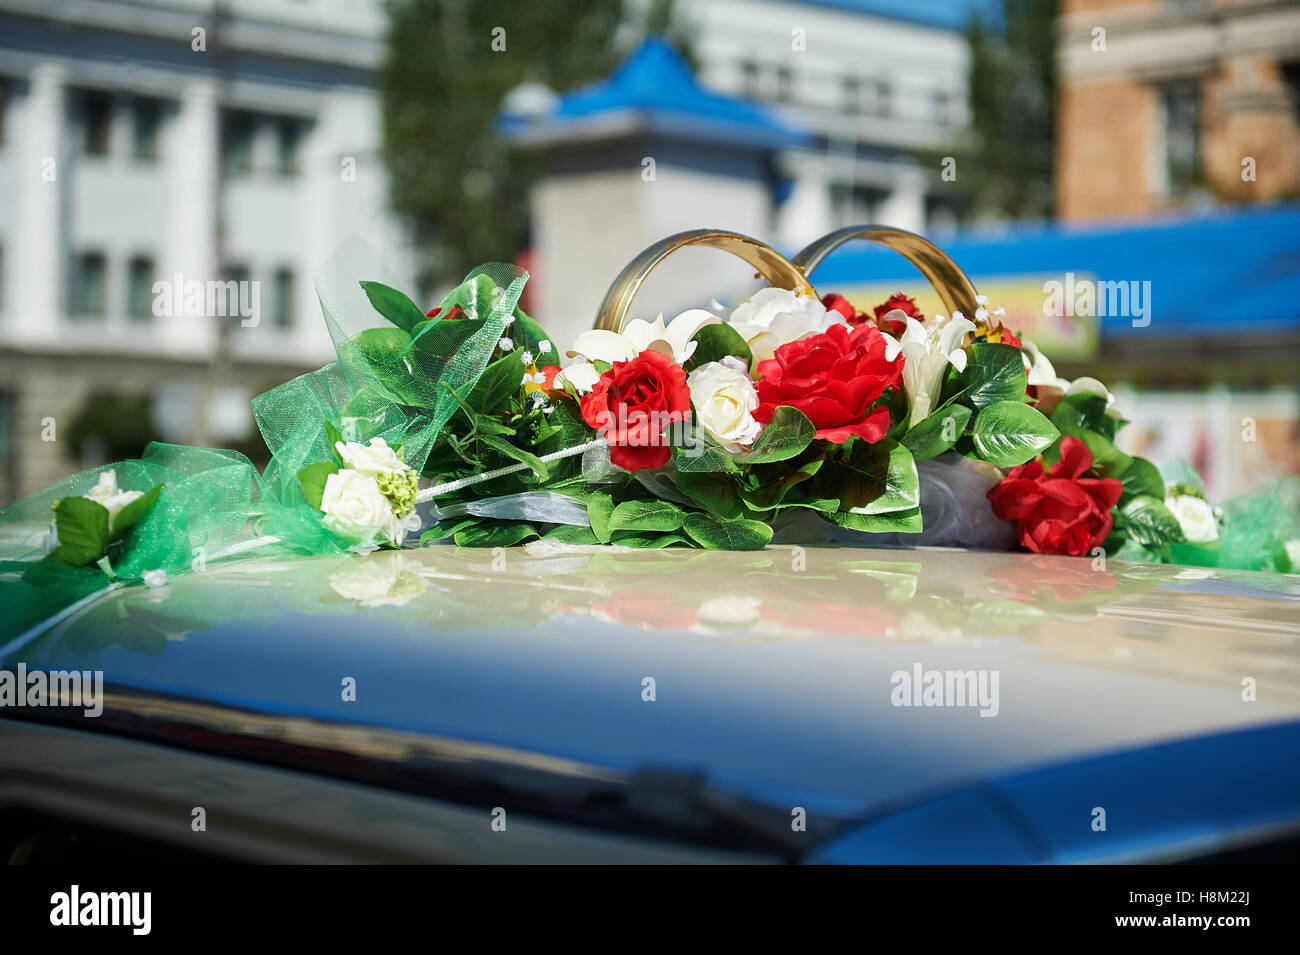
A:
[442,84]
[1005,166]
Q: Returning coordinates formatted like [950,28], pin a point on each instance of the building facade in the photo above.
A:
[1168,104]
[172,172]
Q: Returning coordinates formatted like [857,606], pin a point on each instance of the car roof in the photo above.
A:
[774,672]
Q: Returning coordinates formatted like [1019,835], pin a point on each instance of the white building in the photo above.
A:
[873,80]
[141,140]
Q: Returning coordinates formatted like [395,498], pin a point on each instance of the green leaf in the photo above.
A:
[446,529]
[702,457]
[878,478]
[123,520]
[928,440]
[768,485]
[82,526]
[715,491]
[600,507]
[786,435]
[441,339]
[494,534]
[994,372]
[715,342]
[714,533]
[500,444]
[313,478]
[896,522]
[394,306]
[500,380]
[1009,433]
[1084,411]
[646,516]
[1142,477]
[382,345]
[528,334]
[1107,460]
[572,534]
[1148,521]
[650,540]
[333,436]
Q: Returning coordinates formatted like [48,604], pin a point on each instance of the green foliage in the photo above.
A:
[713,533]
[1148,521]
[87,532]
[716,342]
[1009,433]
[927,440]
[394,306]
[442,86]
[313,478]
[876,478]
[785,436]
[994,372]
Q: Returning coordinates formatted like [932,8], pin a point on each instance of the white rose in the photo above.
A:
[774,316]
[355,507]
[106,493]
[383,580]
[377,458]
[1195,517]
[724,400]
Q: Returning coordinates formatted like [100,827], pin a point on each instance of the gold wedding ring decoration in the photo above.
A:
[950,282]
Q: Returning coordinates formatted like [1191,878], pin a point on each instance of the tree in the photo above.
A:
[448,67]
[1005,167]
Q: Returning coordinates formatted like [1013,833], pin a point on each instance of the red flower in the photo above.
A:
[833,378]
[904,304]
[1057,511]
[455,313]
[634,404]
[838,303]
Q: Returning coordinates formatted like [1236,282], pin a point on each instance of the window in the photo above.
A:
[96,123]
[880,96]
[1182,115]
[239,276]
[852,94]
[4,103]
[139,288]
[286,147]
[282,300]
[146,115]
[749,78]
[237,142]
[89,276]
[942,108]
[784,84]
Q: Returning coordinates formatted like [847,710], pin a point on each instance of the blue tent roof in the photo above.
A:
[1219,274]
[654,90]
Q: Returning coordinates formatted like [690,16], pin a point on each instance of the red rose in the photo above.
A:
[1009,339]
[838,303]
[455,313]
[634,404]
[1057,511]
[904,304]
[833,378]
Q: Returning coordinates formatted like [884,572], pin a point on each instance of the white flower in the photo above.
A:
[506,344]
[155,578]
[384,580]
[724,399]
[526,357]
[373,459]
[981,299]
[106,493]
[638,335]
[1051,388]
[775,316]
[1195,517]
[544,347]
[981,314]
[927,353]
[355,507]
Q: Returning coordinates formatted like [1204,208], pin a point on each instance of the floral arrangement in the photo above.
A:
[724,428]
[788,418]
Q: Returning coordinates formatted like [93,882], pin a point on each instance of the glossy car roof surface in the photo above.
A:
[772,670]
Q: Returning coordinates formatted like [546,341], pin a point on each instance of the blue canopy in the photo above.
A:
[654,90]
[1224,274]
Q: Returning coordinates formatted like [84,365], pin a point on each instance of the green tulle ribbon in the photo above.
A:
[388,382]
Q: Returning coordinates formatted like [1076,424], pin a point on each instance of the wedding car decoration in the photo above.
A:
[791,417]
